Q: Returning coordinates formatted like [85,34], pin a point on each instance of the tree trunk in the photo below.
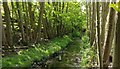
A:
[40,20]
[20,21]
[110,37]
[26,20]
[31,18]
[90,23]
[0,28]
[12,15]
[98,34]
[105,9]
[45,28]
[116,60]
[8,24]
[87,13]
[93,25]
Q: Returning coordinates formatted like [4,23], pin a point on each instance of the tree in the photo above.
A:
[98,37]
[19,11]
[26,20]
[104,14]
[87,13]
[93,23]
[0,28]
[40,20]
[110,36]
[8,24]
[116,60]
[13,14]
[32,22]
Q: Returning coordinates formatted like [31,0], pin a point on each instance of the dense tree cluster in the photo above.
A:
[104,31]
[27,23]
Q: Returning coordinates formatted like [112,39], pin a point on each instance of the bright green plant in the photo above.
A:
[26,57]
[87,52]
[116,6]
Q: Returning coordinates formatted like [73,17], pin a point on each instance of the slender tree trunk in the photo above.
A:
[45,28]
[66,31]
[87,13]
[26,19]
[0,28]
[62,25]
[55,4]
[110,37]
[4,41]
[90,23]
[105,9]
[116,61]
[31,18]
[40,20]
[98,34]
[48,26]
[12,15]
[93,24]
[8,24]
[0,36]
[20,21]
[58,19]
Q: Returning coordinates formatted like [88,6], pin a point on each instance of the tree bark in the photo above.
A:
[26,20]
[31,18]
[40,20]
[8,24]
[93,25]
[20,21]
[105,9]
[90,23]
[12,14]
[0,37]
[110,37]
[87,13]
[116,60]
[98,34]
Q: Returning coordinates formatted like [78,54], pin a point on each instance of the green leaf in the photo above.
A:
[116,6]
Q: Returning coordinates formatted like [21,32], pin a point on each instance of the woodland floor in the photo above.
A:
[70,57]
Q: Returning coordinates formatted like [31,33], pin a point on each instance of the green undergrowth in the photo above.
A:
[24,58]
[87,52]
[79,54]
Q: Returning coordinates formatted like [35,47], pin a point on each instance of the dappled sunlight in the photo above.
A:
[60,34]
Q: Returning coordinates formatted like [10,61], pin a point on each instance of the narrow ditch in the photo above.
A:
[67,57]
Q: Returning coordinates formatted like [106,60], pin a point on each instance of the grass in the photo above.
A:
[24,58]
